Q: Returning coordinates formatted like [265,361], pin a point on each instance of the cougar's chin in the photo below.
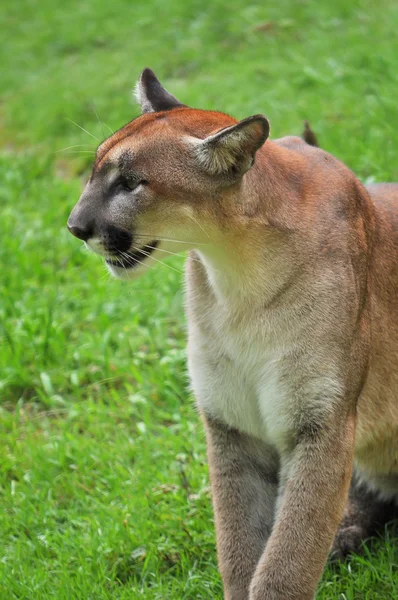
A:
[127,265]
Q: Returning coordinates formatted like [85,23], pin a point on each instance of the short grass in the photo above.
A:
[103,479]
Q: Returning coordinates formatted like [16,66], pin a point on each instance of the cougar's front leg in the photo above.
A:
[316,476]
[243,473]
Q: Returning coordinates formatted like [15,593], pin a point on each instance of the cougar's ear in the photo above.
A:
[151,95]
[232,150]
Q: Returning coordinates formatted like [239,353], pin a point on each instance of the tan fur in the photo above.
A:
[292,310]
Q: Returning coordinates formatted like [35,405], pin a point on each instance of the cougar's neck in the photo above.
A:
[245,271]
[252,258]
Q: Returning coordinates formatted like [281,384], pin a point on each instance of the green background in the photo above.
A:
[103,479]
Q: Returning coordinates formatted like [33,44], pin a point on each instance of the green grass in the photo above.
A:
[103,478]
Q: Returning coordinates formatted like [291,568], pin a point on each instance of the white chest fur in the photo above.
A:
[237,378]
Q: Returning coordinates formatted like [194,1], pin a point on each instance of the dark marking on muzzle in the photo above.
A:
[116,240]
[131,259]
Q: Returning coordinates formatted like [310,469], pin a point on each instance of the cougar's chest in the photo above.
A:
[238,377]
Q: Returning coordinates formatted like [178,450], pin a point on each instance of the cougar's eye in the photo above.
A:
[130,184]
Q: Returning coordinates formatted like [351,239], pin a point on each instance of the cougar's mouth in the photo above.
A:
[129,260]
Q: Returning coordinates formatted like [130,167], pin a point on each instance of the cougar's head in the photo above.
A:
[165,182]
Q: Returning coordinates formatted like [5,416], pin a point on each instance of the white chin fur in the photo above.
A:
[95,245]
[127,274]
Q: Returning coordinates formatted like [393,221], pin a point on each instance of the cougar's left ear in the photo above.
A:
[232,150]
[152,96]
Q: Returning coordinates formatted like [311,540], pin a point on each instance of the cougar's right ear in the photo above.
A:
[231,150]
[152,96]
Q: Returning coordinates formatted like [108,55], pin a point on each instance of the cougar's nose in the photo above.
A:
[83,233]
[83,219]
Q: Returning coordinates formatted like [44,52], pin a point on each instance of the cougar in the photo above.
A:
[292,307]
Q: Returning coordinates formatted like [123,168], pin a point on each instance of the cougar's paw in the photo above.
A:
[348,540]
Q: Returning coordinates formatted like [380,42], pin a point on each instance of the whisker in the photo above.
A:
[198,224]
[130,261]
[106,275]
[158,261]
[85,130]
[101,122]
[121,264]
[177,254]
[82,152]
[162,250]
[110,129]
[69,147]
[170,239]
[98,119]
